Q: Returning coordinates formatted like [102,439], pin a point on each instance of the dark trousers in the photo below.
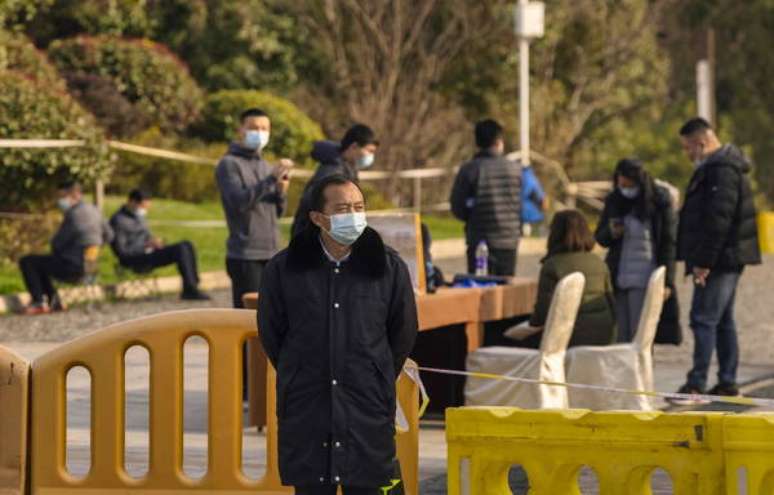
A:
[38,270]
[713,325]
[331,490]
[501,261]
[245,277]
[183,254]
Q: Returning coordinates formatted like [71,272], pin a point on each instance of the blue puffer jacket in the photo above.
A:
[531,197]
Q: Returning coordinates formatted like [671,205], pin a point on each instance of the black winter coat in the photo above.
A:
[663,233]
[718,228]
[338,336]
[328,154]
[487,196]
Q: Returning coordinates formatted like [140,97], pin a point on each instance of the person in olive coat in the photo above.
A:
[337,319]
[569,250]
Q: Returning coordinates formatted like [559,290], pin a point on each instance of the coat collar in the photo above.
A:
[368,256]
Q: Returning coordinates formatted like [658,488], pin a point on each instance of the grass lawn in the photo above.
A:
[209,241]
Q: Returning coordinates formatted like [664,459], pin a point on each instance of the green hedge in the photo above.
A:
[147,74]
[30,109]
[292,131]
[17,53]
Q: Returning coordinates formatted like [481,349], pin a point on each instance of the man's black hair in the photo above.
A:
[139,195]
[487,133]
[360,134]
[696,124]
[318,193]
[69,185]
[251,112]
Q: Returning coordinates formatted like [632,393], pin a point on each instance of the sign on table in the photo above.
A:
[403,233]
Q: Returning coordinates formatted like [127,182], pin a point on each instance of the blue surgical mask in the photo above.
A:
[365,161]
[346,228]
[629,192]
[256,140]
[64,204]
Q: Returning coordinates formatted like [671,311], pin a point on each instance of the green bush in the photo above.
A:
[292,131]
[164,178]
[17,53]
[33,110]
[147,74]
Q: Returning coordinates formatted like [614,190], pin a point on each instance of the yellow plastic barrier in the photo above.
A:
[164,336]
[748,444]
[552,446]
[14,403]
[766,231]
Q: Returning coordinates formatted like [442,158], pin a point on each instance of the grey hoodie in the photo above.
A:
[81,227]
[251,202]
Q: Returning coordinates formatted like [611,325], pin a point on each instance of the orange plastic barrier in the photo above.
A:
[102,354]
[14,400]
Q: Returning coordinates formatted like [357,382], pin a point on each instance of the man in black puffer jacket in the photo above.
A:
[487,196]
[717,237]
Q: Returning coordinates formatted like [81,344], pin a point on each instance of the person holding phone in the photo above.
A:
[638,228]
[254,196]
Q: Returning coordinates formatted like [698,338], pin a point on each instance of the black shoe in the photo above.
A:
[194,295]
[689,390]
[725,389]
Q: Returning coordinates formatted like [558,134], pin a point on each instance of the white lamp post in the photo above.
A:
[529,17]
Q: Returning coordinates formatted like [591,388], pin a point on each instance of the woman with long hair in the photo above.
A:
[570,243]
[638,227]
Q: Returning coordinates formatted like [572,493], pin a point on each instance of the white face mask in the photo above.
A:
[64,204]
[256,140]
[141,212]
[346,228]
[365,161]
[629,192]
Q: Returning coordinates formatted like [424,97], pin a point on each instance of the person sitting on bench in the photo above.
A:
[139,251]
[82,227]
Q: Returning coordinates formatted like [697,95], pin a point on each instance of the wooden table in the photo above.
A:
[469,308]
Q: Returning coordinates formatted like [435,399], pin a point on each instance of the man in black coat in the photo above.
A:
[487,196]
[337,319]
[717,237]
[355,152]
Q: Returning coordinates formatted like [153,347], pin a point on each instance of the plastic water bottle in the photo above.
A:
[482,259]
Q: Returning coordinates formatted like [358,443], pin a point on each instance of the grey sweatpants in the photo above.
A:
[628,306]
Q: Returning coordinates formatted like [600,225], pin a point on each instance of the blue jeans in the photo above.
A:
[713,325]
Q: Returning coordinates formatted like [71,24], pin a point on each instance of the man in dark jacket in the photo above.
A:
[717,237]
[355,152]
[138,250]
[253,194]
[337,319]
[82,227]
[487,197]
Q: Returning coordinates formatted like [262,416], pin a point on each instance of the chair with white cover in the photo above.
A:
[627,366]
[545,364]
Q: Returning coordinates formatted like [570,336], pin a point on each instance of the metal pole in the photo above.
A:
[524,95]
[418,194]
[711,55]
[99,194]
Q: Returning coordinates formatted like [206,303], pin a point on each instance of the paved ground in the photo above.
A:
[32,336]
